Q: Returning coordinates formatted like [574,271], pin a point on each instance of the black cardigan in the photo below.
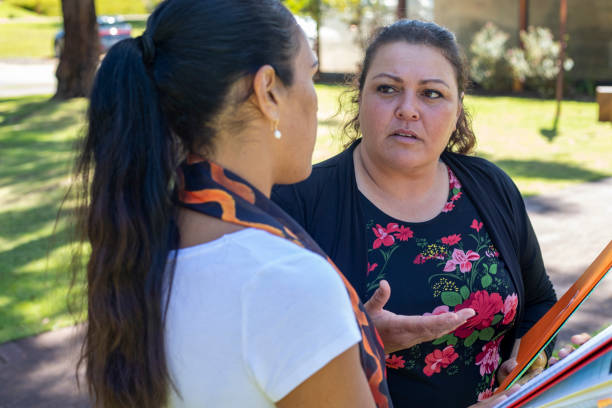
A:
[327,205]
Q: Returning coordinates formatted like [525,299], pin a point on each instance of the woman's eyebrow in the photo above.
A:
[435,80]
[384,74]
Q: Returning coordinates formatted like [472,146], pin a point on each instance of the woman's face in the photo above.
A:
[409,106]
[298,118]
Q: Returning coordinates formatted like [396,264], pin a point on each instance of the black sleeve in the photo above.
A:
[539,292]
[288,198]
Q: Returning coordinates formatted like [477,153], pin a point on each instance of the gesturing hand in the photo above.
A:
[401,332]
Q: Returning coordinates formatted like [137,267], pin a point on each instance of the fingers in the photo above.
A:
[581,338]
[496,398]
[380,298]
[465,314]
[433,326]
[577,339]
[565,351]
[506,368]
[447,322]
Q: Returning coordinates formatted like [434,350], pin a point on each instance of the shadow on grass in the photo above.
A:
[40,116]
[551,134]
[33,296]
[548,170]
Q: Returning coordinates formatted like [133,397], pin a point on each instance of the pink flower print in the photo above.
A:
[383,235]
[462,259]
[456,196]
[448,207]
[451,239]
[438,311]
[394,361]
[486,306]
[371,268]
[404,233]
[488,358]
[453,181]
[509,309]
[488,393]
[476,225]
[439,359]
[419,259]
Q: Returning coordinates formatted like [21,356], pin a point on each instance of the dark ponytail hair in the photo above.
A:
[154,98]
[417,32]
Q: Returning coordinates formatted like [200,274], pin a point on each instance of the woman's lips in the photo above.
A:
[405,135]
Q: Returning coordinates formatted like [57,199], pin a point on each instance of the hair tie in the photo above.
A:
[148,48]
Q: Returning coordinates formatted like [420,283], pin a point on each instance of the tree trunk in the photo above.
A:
[81,51]
[317,45]
[402,9]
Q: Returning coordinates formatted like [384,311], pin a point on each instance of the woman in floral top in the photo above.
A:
[456,266]
[405,207]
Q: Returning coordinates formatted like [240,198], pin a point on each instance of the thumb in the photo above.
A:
[380,298]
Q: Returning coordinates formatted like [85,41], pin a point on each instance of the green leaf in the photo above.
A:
[493,269]
[465,292]
[451,298]
[486,334]
[440,340]
[486,280]
[496,319]
[471,338]
[452,340]
[455,191]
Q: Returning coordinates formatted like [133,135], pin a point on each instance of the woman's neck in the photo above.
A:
[250,160]
[415,195]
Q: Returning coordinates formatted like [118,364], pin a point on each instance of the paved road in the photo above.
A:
[19,77]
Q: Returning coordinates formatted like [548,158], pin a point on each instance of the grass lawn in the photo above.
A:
[36,152]
[35,39]
[53,7]
[8,10]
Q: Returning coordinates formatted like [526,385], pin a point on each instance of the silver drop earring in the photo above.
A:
[277,134]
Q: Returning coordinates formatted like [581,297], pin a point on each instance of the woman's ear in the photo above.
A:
[266,93]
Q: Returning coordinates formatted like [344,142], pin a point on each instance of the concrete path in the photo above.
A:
[27,76]
[573,226]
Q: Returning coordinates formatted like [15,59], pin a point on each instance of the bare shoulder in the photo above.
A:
[196,228]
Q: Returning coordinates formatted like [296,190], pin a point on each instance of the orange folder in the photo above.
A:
[538,337]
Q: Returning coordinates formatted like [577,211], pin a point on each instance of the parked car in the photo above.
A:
[111,30]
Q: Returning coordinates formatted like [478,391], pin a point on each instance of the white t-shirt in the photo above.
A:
[251,316]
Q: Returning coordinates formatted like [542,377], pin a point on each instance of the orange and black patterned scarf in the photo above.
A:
[209,189]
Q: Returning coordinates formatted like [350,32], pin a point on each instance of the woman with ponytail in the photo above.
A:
[201,292]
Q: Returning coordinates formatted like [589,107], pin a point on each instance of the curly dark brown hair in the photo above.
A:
[462,140]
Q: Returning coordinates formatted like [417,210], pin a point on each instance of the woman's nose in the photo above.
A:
[407,109]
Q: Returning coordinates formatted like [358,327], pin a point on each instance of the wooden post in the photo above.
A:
[517,85]
[402,9]
[604,101]
[562,25]
[523,18]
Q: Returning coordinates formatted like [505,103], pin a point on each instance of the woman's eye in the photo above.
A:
[432,94]
[385,89]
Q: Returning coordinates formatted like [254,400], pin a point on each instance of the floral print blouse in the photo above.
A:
[445,264]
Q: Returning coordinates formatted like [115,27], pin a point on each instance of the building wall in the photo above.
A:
[589,27]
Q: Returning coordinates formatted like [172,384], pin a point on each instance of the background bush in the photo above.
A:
[536,64]
[488,65]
